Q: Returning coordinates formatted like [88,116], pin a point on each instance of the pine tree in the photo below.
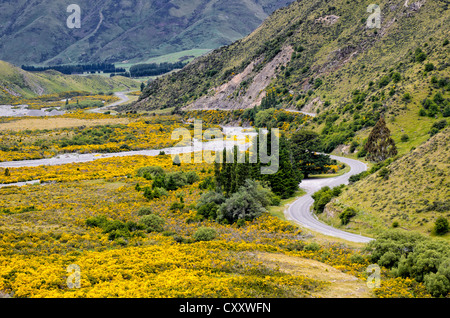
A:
[217,175]
[226,172]
[380,145]
[7,172]
[233,181]
[305,145]
[285,181]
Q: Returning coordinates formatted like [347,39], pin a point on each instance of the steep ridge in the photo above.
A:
[336,57]
[414,192]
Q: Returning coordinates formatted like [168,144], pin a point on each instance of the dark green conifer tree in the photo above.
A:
[380,145]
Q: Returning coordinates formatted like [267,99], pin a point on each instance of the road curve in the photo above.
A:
[300,210]
[123,99]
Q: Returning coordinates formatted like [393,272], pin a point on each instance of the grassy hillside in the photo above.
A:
[115,31]
[343,53]
[16,83]
[413,193]
[320,56]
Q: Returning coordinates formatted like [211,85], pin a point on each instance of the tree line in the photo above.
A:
[154,69]
[76,68]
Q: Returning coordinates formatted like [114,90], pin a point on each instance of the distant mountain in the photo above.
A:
[17,83]
[35,31]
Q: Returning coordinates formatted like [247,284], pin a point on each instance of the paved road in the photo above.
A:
[300,210]
[301,112]
[123,99]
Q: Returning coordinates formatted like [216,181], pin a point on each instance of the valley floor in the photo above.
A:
[44,228]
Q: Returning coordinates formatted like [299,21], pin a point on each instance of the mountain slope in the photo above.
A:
[17,83]
[35,31]
[414,193]
[332,43]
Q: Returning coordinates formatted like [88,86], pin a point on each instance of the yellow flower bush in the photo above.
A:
[401,288]
[139,134]
[43,230]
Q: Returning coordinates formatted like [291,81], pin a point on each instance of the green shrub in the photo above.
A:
[384,81]
[276,200]
[440,124]
[240,206]
[208,211]
[397,241]
[176,206]
[317,83]
[205,234]
[324,196]
[347,215]
[429,67]
[313,247]
[409,254]
[176,180]
[247,203]
[396,77]
[152,223]
[116,229]
[406,97]
[358,176]
[155,193]
[296,246]
[118,234]
[419,55]
[150,173]
[437,285]
[384,173]
[357,258]
[441,226]
[207,184]
[144,210]
[422,112]
[192,177]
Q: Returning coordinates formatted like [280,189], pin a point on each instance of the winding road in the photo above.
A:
[123,99]
[300,210]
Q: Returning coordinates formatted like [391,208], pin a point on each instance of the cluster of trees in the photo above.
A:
[76,68]
[248,202]
[412,255]
[239,191]
[284,182]
[163,182]
[154,69]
